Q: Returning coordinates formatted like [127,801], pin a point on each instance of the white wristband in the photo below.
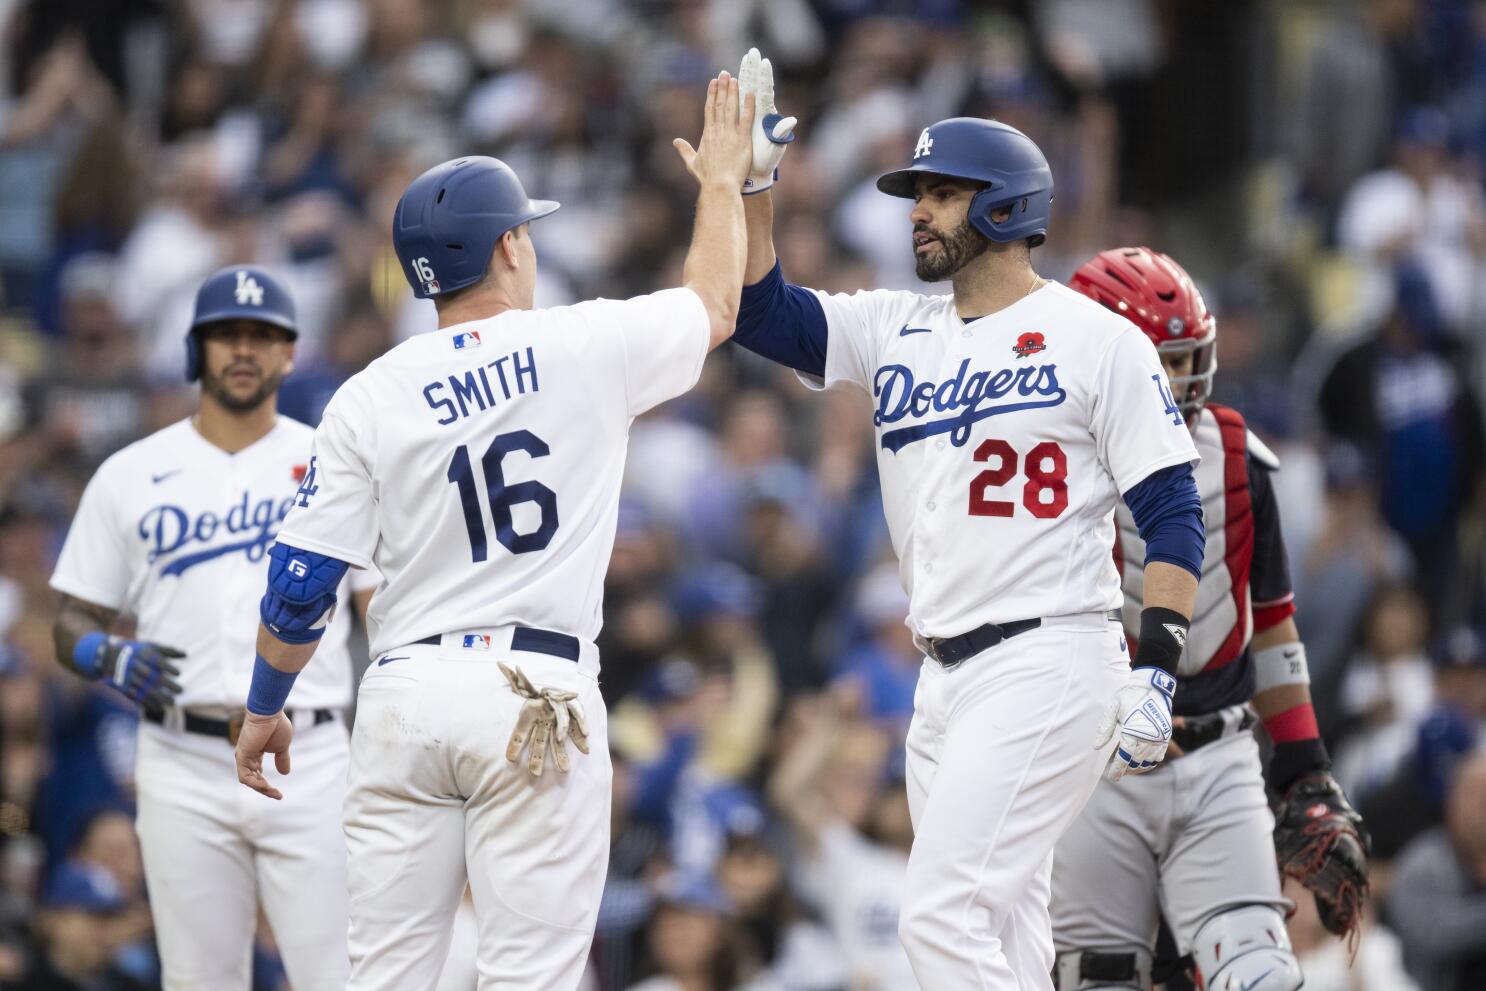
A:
[1282,664]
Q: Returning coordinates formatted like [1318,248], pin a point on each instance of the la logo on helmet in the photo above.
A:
[924,144]
[248,290]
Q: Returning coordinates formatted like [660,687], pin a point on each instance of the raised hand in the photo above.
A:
[771,132]
[724,155]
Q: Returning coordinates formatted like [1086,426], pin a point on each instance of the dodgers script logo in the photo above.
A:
[170,529]
[967,397]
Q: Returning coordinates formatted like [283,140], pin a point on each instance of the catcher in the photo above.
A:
[1192,838]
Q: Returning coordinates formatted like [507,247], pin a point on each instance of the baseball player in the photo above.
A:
[174,530]
[1010,418]
[1195,838]
[478,466]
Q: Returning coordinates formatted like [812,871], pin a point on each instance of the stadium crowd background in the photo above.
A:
[1317,164]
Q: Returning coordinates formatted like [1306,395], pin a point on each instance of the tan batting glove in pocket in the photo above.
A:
[548,718]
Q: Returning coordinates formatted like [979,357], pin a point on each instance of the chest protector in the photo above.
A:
[1223,619]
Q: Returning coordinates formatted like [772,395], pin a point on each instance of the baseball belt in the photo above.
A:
[228,729]
[950,652]
[531,640]
[1199,731]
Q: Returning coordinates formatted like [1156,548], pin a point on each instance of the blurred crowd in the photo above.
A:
[1316,164]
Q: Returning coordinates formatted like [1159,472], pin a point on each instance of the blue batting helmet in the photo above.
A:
[239,292]
[450,218]
[1013,168]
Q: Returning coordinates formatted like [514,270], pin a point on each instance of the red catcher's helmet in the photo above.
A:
[1158,296]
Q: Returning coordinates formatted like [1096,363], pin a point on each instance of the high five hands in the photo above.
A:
[724,155]
[771,132]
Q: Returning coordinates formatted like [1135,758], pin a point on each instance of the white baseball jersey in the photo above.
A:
[1004,444]
[478,466]
[175,531]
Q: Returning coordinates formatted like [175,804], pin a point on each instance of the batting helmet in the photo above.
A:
[241,292]
[449,219]
[1159,297]
[1013,168]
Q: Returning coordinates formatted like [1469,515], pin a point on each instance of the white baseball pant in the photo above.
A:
[432,801]
[1001,758]
[213,850]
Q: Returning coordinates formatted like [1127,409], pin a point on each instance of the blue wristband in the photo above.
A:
[85,653]
[270,688]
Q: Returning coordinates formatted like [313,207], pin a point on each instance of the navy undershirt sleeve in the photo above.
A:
[1168,514]
[783,323]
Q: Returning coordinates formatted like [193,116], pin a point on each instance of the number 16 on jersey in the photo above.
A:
[502,496]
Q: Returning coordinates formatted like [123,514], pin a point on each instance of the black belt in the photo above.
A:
[950,651]
[531,640]
[225,729]
[1199,731]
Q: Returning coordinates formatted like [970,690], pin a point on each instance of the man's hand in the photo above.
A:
[263,735]
[1320,841]
[548,718]
[724,155]
[1142,714]
[139,671]
[771,132]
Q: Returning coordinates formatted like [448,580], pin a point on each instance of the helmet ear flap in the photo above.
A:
[193,356]
[981,206]
[993,197]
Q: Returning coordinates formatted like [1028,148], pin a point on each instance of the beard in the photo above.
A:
[216,387]
[961,246]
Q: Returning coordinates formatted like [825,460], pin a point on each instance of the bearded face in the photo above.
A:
[938,255]
[243,363]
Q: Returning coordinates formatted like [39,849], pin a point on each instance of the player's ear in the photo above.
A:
[508,248]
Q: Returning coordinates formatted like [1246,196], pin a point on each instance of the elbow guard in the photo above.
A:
[300,601]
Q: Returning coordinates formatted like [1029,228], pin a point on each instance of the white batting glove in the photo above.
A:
[1142,714]
[771,132]
[549,718]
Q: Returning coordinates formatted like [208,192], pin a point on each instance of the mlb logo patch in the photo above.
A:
[476,641]
[298,472]
[469,339]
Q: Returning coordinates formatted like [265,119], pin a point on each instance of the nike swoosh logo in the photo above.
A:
[1290,653]
[157,479]
[1255,982]
[389,660]
[914,330]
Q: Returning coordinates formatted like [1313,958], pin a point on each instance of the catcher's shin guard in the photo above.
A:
[1245,949]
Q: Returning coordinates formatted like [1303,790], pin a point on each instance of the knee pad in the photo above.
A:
[1125,969]
[1245,949]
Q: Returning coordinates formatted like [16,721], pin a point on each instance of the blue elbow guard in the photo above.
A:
[300,600]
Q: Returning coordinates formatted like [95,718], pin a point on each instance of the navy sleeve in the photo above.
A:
[784,323]
[1168,514]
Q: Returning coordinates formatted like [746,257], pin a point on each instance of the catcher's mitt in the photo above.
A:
[1321,842]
